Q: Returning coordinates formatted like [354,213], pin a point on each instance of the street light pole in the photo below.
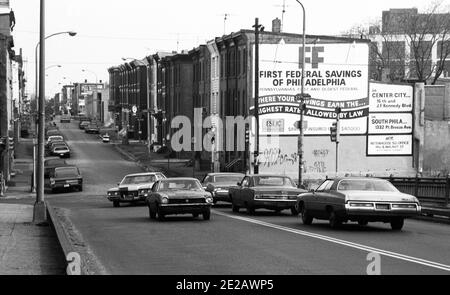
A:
[257,27]
[40,212]
[301,101]
[70,33]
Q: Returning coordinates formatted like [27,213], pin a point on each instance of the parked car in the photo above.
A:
[361,200]
[175,196]
[93,129]
[54,138]
[61,151]
[106,138]
[53,145]
[65,119]
[272,192]
[51,163]
[65,178]
[218,184]
[134,188]
[53,132]
[83,124]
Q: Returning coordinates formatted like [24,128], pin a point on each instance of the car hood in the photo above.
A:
[224,185]
[277,189]
[184,194]
[378,196]
[132,187]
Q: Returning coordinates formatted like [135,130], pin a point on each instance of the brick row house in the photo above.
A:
[216,77]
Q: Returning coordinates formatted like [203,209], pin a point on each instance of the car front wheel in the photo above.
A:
[151,213]
[335,222]
[306,218]
[207,215]
[161,216]
[397,224]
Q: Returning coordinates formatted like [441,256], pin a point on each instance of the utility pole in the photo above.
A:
[40,212]
[335,133]
[301,102]
[257,27]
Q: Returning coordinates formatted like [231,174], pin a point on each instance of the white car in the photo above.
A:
[106,138]
[134,188]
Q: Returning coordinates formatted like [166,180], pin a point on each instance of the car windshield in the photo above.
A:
[273,181]
[66,172]
[139,179]
[55,162]
[182,184]
[366,185]
[61,148]
[228,178]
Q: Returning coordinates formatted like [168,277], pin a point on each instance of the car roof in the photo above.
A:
[355,178]
[143,174]
[180,178]
[267,175]
[225,174]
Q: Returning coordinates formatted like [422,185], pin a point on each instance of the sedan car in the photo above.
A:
[106,138]
[175,196]
[65,178]
[361,200]
[273,192]
[134,188]
[83,124]
[62,151]
[92,129]
[218,184]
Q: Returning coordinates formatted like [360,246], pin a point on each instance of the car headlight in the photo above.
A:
[257,197]
[209,200]
[165,200]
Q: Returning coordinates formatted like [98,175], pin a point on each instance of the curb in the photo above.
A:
[71,242]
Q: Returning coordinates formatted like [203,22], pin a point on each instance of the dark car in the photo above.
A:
[65,178]
[92,129]
[51,163]
[272,192]
[134,188]
[175,196]
[361,200]
[62,151]
[218,184]
[65,119]
[83,124]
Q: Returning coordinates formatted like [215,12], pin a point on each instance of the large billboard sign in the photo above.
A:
[336,75]
[390,131]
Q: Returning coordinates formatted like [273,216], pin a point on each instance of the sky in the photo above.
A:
[109,30]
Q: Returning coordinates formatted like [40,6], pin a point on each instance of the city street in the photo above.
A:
[126,241]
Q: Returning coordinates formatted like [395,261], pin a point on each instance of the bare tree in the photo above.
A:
[408,41]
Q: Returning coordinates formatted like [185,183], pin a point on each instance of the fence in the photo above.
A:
[432,190]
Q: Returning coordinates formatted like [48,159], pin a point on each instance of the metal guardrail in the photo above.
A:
[426,189]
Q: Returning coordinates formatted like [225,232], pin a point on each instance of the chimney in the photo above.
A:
[276,25]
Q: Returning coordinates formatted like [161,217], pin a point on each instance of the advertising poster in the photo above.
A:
[336,75]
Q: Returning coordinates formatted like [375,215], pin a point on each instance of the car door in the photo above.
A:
[318,201]
[240,192]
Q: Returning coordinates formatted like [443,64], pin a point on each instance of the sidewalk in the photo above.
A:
[26,249]
[20,185]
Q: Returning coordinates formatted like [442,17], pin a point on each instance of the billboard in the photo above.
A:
[390,131]
[336,75]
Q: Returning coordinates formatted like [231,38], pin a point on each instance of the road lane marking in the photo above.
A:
[341,242]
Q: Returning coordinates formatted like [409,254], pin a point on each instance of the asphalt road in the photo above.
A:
[126,241]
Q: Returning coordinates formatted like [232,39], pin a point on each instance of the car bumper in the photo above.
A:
[184,208]
[374,212]
[222,196]
[126,199]
[65,185]
[274,204]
